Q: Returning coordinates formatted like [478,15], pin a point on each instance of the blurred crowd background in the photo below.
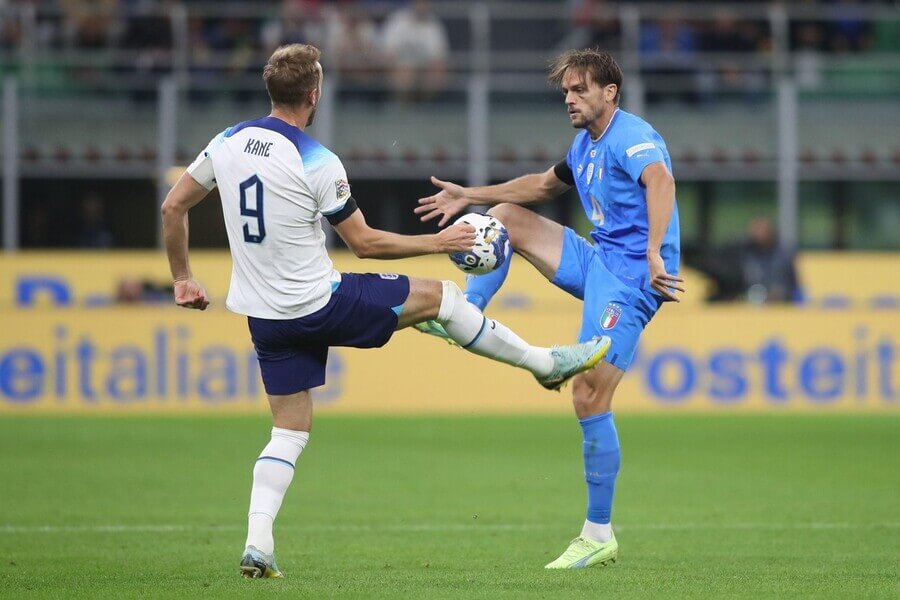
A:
[783,118]
[369,39]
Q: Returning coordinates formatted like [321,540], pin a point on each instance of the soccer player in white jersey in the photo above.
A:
[276,183]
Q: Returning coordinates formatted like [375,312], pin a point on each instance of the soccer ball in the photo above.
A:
[491,245]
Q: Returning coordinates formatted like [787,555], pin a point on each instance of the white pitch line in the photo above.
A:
[432,527]
[95,528]
[764,526]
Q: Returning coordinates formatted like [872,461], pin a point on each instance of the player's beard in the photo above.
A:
[582,119]
[312,117]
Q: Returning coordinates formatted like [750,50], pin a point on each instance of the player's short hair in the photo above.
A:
[601,67]
[291,74]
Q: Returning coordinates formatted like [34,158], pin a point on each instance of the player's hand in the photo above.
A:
[450,201]
[190,294]
[661,281]
[456,238]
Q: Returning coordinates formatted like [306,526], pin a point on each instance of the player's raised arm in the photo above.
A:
[366,242]
[453,199]
[660,203]
[186,194]
[335,201]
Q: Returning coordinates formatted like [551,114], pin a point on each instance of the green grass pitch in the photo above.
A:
[452,507]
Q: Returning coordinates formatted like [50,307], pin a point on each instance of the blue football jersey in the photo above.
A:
[607,175]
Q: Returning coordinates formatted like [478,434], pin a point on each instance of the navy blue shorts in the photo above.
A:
[363,313]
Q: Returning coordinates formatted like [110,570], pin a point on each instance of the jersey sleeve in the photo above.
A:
[330,186]
[202,167]
[640,148]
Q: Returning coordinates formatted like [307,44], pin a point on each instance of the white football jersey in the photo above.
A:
[276,183]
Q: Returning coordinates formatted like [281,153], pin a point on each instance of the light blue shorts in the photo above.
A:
[610,307]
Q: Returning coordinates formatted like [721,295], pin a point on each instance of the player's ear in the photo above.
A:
[316,93]
[610,92]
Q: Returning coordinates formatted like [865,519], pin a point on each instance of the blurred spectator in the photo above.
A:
[148,31]
[10,30]
[351,46]
[807,55]
[727,33]
[94,231]
[201,60]
[595,23]
[148,34]
[769,272]
[662,37]
[89,24]
[416,48]
[668,46]
[223,46]
[849,32]
[299,22]
[755,269]
[236,41]
[732,38]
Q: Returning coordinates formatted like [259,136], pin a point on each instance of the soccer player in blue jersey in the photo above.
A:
[621,168]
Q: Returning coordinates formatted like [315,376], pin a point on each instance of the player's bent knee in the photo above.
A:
[423,302]
[507,214]
[589,399]
[516,219]
[588,406]
[434,294]
[501,210]
[292,411]
[451,295]
[450,287]
[425,291]
[293,423]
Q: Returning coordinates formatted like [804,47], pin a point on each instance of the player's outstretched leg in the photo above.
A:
[474,332]
[272,475]
[592,396]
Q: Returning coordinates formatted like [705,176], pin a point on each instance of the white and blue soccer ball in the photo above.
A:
[491,248]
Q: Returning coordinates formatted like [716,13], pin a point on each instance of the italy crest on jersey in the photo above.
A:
[610,316]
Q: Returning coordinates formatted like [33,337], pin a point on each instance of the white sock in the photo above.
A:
[486,337]
[599,532]
[272,475]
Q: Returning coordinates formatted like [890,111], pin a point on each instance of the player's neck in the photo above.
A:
[599,127]
[298,119]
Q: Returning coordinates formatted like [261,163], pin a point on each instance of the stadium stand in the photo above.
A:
[707,75]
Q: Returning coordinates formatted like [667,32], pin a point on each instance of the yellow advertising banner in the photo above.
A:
[85,355]
[74,278]
[161,359]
